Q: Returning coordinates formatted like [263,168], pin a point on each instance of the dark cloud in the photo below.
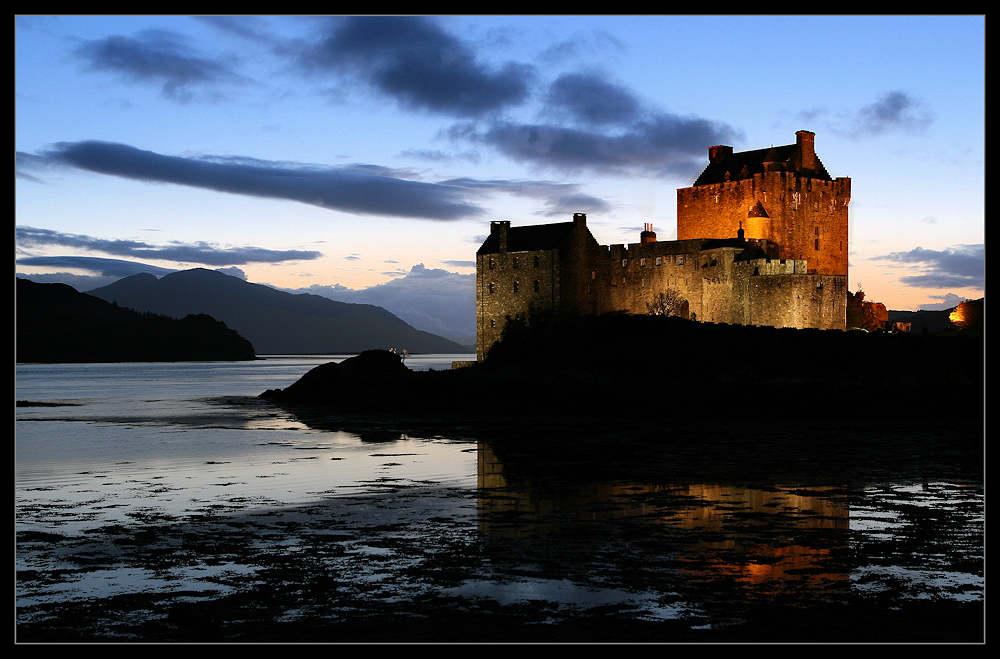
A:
[661,146]
[961,267]
[108,270]
[413,60]
[590,99]
[598,125]
[352,189]
[203,253]
[159,57]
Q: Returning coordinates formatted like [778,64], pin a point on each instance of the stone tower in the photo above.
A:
[782,194]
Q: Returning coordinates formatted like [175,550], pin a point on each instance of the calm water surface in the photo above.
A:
[126,447]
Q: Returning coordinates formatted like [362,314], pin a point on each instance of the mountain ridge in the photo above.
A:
[275,321]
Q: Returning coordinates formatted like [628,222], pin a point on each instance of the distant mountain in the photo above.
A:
[54,323]
[276,322]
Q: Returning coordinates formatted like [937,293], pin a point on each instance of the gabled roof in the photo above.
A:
[753,161]
[529,238]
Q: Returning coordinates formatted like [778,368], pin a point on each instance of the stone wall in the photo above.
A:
[511,283]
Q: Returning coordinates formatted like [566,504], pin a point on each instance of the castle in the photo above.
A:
[761,240]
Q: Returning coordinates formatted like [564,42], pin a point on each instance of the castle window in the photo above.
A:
[491,288]
[516,287]
[515,262]
[642,263]
[538,285]
[491,264]
[593,274]
[659,260]
[817,232]
[680,260]
[817,243]
[624,263]
[493,322]
[536,260]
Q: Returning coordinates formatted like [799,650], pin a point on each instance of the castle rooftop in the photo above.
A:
[725,165]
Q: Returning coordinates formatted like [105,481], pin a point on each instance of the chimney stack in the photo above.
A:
[500,228]
[580,219]
[806,141]
[647,235]
[719,153]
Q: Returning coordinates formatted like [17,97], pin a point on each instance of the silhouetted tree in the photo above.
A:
[667,303]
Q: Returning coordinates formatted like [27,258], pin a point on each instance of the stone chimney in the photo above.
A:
[647,235]
[806,141]
[580,219]
[719,153]
[500,228]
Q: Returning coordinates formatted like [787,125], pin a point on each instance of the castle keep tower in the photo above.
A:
[782,194]
[547,266]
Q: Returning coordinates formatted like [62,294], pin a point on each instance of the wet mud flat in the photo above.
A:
[606,531]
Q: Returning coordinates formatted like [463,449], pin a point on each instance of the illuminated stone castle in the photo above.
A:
[761,240]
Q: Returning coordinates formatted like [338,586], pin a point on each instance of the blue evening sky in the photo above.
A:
[356,154]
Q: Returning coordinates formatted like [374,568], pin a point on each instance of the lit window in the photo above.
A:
[491,288]
[659,260]
[642,263]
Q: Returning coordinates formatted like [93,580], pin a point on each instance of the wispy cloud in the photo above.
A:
[357,189]
[963,266]
[559,198]
[894,111]
[202,253]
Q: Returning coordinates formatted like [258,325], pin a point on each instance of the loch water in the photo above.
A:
[168,502]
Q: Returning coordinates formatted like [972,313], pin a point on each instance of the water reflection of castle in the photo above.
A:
[774,537]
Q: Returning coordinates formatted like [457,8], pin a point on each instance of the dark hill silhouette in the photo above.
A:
[275,322]
[932,321]
[57,324]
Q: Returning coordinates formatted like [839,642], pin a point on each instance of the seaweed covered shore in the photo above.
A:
[657,367]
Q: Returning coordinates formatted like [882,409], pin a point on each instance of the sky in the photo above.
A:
[362,158]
